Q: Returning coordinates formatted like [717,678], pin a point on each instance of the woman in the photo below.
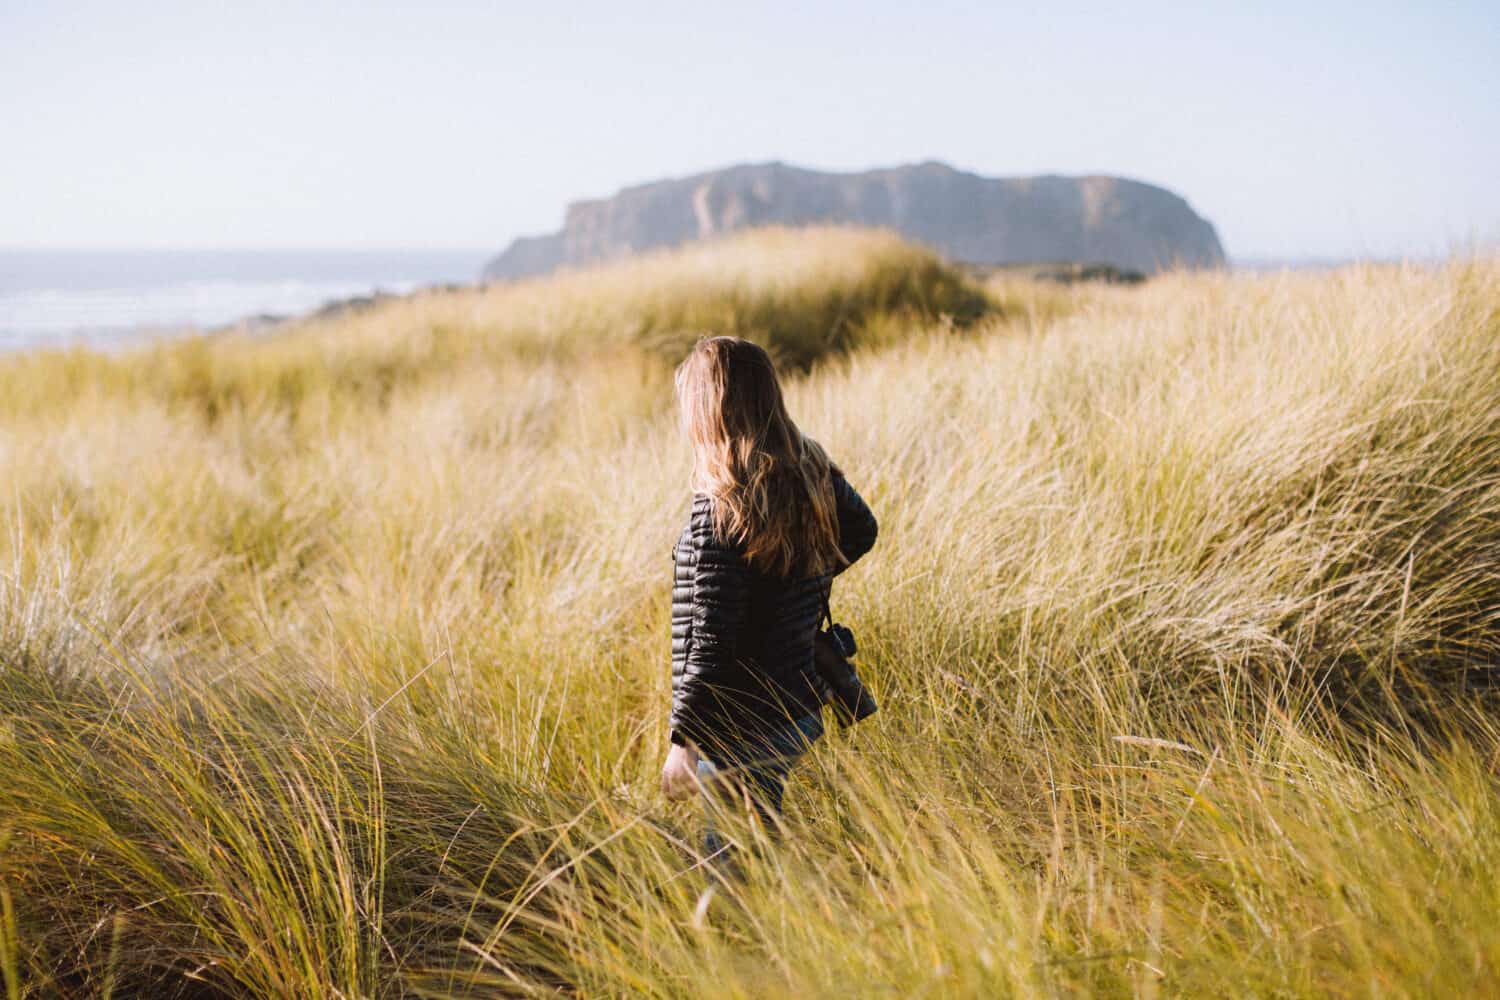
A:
[773,521]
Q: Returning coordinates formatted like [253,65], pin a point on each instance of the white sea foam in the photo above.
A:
[56,299]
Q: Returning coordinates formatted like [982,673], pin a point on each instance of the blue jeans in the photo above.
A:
[756,768]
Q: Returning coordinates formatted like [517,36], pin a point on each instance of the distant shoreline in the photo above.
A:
[107,299]
[271,294]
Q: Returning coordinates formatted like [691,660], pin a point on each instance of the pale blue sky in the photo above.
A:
[1299,129]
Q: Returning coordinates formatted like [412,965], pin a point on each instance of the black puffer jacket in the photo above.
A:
[742,641]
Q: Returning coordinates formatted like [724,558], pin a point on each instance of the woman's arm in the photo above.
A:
[719,606]
[857,526]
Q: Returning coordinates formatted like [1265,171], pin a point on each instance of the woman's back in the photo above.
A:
[742,639]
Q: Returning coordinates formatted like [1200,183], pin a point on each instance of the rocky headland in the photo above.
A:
[1098,220]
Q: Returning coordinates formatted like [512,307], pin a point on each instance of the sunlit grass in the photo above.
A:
[802,293]
[318,682]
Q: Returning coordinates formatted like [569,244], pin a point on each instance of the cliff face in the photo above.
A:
[981,220]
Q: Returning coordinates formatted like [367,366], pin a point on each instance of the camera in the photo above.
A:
[843,637]
[842,688]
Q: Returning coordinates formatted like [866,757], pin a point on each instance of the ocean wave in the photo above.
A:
[107,316]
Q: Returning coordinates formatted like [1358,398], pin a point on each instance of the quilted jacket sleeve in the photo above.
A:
[857,527]
[720,599]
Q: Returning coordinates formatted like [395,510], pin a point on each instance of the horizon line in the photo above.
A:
[179,248]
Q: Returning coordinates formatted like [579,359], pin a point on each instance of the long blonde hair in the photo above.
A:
[769,485]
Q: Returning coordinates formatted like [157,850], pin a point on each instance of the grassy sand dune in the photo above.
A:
[802,292]
[335,664]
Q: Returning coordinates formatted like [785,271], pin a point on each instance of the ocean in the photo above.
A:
[110,298]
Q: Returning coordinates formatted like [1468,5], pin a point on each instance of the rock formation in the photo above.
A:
[981,220]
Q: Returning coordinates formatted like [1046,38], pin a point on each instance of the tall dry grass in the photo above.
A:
[802,292]
[1181,618]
